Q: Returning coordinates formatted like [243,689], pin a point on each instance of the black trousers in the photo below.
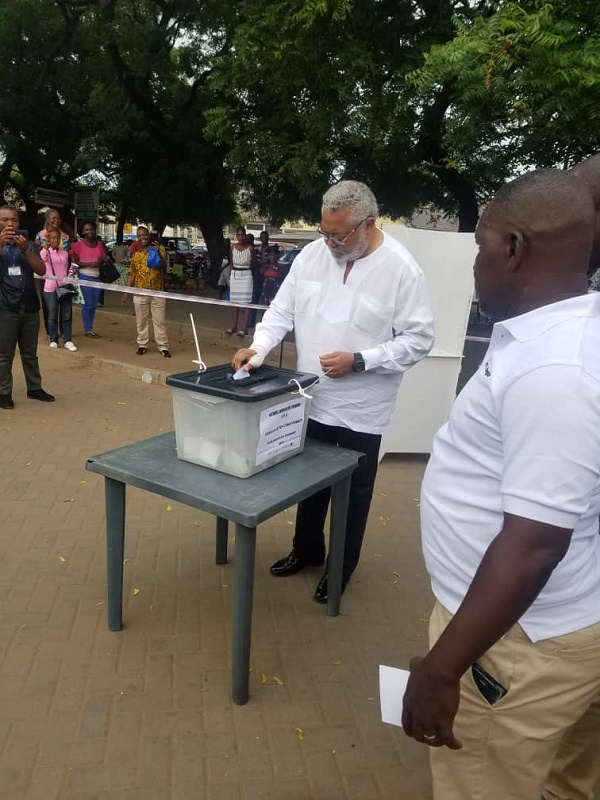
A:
[309,537]
[19,328]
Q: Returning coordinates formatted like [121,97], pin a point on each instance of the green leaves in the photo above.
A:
[533,69]
[188,107]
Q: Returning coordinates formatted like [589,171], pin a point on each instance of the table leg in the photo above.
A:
[340,492]
[222,531]
[243,587]
[114,492]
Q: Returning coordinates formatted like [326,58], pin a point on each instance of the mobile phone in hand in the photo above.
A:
[20,232]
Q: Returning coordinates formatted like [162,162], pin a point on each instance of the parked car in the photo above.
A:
[286,260]
[179,251]
[176,244]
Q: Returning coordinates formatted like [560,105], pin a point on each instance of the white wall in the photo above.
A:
[429,388]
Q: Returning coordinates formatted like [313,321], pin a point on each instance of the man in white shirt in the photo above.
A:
[509,695]
[358,304]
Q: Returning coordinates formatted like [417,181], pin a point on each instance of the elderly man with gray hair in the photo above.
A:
[358,304]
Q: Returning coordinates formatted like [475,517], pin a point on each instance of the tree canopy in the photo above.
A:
[525,81]
[186,110]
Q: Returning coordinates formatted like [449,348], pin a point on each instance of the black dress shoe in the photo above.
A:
[321,590]
[6,401]
[141,351]
[292,564]
[40,394]
[166,353]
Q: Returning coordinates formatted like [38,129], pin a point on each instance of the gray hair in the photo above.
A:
[352,195]
[51,211]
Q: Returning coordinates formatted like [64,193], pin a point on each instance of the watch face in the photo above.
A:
[359,363]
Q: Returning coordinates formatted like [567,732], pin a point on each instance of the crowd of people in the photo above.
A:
[54,255]
[250,274]
[508,696]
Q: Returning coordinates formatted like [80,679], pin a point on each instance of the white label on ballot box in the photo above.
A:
[280,429]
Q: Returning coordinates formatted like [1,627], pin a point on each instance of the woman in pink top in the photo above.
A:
[60,310]
[87,254]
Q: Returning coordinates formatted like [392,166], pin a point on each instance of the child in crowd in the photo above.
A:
[223,284]
[58,303]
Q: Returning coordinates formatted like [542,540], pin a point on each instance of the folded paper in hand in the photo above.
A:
[241,374]
[392,685]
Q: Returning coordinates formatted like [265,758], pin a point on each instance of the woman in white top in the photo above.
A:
[240,280]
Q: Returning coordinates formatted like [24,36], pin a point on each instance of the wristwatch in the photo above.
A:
[359,363]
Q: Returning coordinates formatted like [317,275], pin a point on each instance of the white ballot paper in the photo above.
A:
[392,685]
[241,374]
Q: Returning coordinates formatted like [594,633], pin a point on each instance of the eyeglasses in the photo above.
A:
[339,240]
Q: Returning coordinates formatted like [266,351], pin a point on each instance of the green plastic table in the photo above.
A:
[152,464]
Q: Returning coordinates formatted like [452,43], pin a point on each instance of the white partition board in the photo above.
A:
[428,389]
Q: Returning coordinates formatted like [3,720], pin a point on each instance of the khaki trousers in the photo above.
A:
[146,307]
[542,737]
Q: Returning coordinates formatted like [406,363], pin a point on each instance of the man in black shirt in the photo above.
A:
[19,309]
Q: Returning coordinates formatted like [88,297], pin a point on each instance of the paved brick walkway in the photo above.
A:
[146,714]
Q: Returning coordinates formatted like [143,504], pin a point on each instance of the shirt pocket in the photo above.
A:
[307,297]
[373,318]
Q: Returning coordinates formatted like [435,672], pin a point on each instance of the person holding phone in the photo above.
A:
[19,309]
[508,697]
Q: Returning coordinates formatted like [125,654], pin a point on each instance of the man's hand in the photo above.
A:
[242,357]
[7,236]
[430,705]
[337,364]
[123,298]
[22,243]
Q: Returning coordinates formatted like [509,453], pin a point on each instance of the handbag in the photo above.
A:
[153,258]
[108,272]
[66,291]
[62,291]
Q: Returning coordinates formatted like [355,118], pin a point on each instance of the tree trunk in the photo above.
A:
[211,226]
[433,152]
[122,219]
[463,192]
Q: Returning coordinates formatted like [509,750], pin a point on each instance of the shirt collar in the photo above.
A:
[535,323]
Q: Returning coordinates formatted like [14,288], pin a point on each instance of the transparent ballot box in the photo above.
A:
[239,427]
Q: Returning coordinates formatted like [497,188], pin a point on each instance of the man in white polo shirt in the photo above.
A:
[509,695]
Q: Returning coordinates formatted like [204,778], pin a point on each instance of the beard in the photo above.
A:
[358,251]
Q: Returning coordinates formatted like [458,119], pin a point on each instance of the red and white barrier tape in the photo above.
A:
[193,298]
[111,287]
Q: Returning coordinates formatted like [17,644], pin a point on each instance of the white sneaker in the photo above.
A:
[70,346]
[53,345]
